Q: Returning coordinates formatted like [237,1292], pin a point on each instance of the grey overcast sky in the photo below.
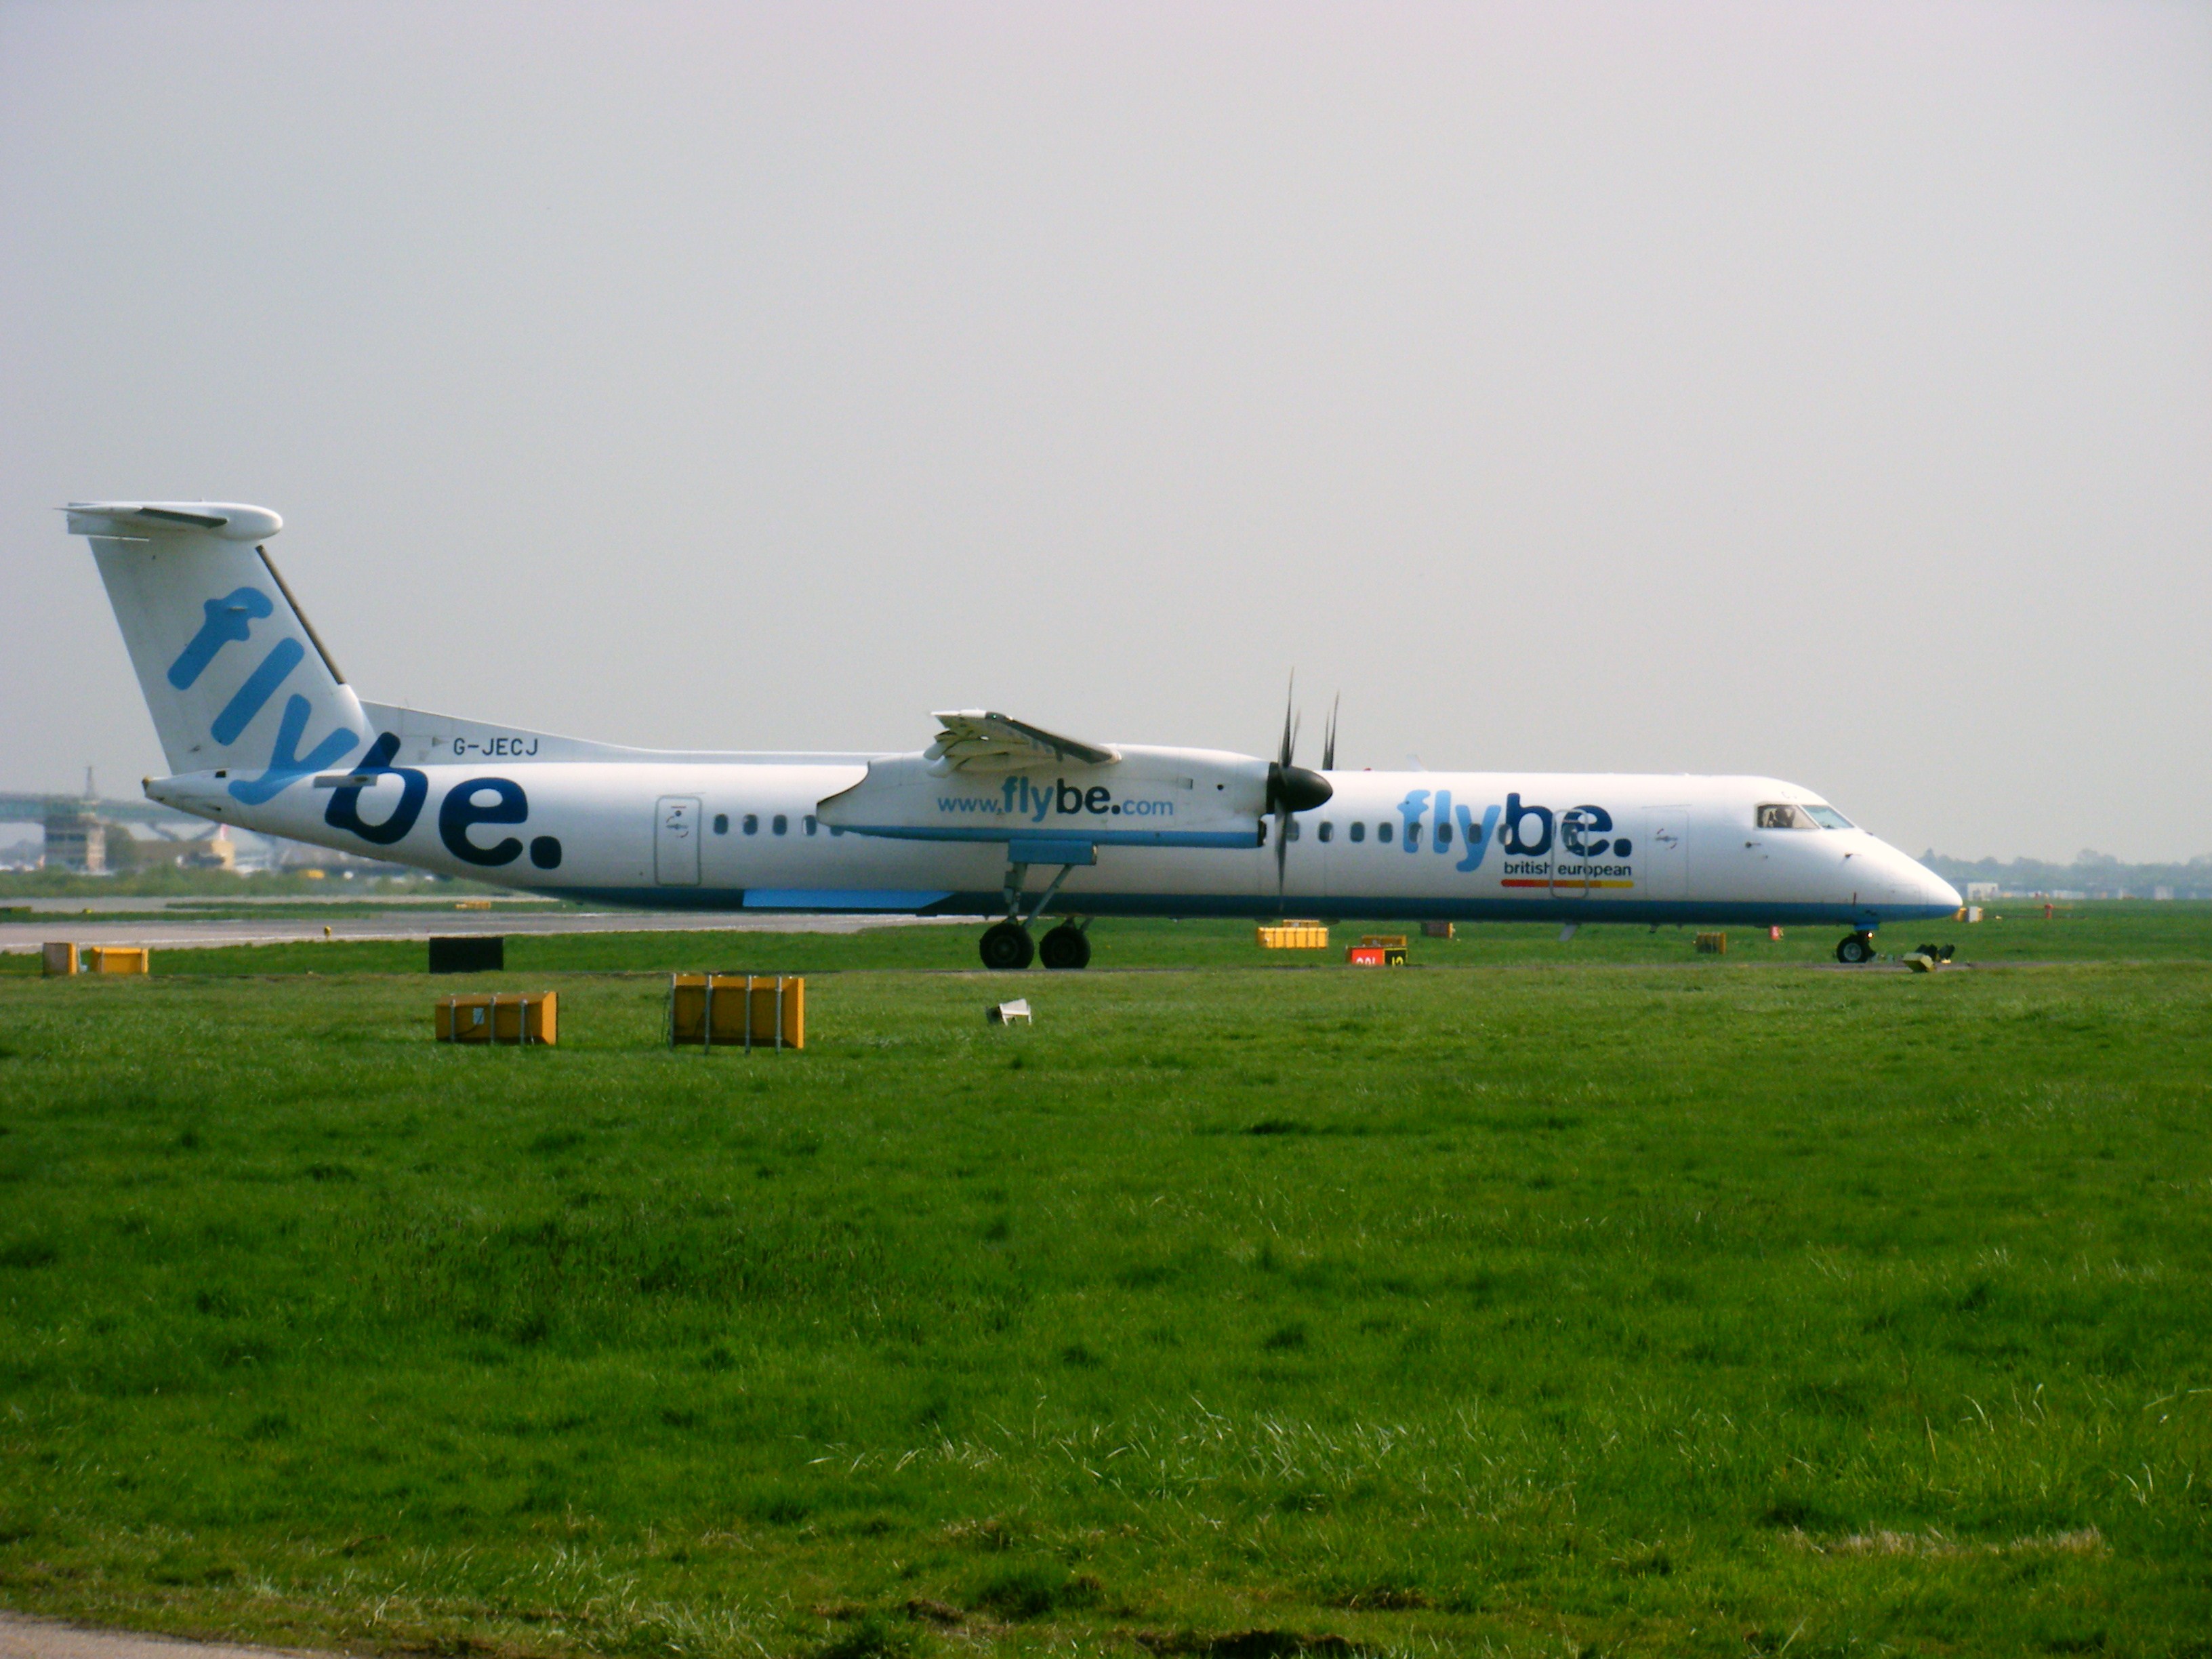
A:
[1817,390]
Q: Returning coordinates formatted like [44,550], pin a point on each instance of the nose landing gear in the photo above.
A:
[1856,948]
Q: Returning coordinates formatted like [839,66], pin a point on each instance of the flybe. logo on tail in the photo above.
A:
[229,621]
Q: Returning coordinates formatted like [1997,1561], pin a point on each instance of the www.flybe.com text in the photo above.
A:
[1020,799]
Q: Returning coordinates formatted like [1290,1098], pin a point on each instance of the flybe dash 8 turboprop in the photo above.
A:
[996,818]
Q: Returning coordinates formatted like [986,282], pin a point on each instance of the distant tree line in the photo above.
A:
[2098,875]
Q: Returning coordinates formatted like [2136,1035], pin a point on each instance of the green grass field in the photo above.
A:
[1541,1299]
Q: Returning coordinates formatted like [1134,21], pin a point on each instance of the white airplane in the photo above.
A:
[995,819]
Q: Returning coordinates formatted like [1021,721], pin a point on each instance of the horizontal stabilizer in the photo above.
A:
[230,521]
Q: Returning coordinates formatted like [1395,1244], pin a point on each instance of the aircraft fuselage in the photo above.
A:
[1459,846]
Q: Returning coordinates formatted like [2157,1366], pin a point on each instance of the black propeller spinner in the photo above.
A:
[1294,788]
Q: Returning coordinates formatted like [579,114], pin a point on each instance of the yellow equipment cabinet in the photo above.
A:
[737,1011]
[515,1018]
[58,959]
[1713,944]
[118,959]
[1292,936]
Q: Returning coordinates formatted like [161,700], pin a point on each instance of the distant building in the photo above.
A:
[76,839]
[215,852]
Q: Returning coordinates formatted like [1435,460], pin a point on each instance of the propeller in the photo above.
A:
[1329,736]
[1292,788]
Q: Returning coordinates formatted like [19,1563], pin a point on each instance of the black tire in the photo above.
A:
[1856,949]
[1007,946]
[1066,946]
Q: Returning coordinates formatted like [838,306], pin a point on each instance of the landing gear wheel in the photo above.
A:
[1066,946]
[1856,949]
[1007,945]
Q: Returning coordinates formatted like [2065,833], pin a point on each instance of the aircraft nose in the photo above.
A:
[1934,891]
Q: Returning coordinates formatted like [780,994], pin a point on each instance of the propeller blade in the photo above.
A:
[1328,737]
[1292,789]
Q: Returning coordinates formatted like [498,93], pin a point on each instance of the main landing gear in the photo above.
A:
[1006,947]
[1855,949]
[1066,946]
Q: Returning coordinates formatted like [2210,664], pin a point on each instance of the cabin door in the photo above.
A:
[676,841]
[1661,855]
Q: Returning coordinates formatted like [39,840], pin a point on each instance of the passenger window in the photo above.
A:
[752,824]
[809,822]
[1358,832]
[1297,830]
[779,823]
[721,824]
[1412,837]
[1382,832]
[1443,835]
[1328,832]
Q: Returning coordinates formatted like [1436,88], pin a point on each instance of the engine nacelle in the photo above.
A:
[1145,798]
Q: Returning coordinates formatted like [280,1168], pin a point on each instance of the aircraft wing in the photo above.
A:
[978,740]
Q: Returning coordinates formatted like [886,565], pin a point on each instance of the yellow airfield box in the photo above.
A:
[57,959]
[1292,936]
[118,959]
[1713,944]
[737,1011]
[513,1017]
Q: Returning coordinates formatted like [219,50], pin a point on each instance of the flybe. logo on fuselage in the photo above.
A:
[1526,834]
[469,803]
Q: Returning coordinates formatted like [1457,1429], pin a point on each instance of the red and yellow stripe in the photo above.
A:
[1562,881]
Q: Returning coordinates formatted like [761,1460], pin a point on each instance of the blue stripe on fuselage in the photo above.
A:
[1675,913]
[1060,829]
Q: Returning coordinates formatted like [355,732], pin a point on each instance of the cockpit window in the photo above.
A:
[1786,815]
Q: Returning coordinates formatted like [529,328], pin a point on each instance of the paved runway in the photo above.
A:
[43,1639]
[176,928]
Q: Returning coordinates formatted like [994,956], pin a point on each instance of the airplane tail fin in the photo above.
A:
[235,677]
